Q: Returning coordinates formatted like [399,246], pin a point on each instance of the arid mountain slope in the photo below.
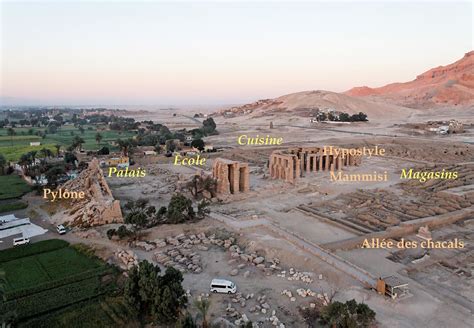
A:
[451,85]
[303,103]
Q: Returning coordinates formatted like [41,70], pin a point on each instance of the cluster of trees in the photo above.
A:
[157,134]
[180,209]
[28,122]
[55,173]
[122,232]
[123,123]
[208,128]
[155,297]
[361,117]
[199,186]
[342,117]
[161,299]
[341,315]
[126,146]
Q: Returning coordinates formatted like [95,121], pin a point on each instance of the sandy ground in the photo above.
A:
[274,202]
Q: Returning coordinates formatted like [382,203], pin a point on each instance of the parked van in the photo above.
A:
[223,286]
[20,241]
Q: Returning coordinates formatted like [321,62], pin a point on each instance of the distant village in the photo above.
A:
[47,147]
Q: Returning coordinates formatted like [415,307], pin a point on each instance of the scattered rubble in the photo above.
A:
[180,249]
[296,275]
[128,258]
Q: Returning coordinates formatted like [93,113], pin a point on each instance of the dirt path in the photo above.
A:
[354,271]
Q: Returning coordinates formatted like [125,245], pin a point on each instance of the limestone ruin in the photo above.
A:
[291,164]
[232,176]
[98,207]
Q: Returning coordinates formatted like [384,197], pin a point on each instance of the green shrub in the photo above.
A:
[111,233]
[32,249]
[123,232]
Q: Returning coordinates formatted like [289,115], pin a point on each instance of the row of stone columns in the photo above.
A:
[292,164]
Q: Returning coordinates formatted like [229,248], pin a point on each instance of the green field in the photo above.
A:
[49,284]
[12,186]
[106,313]
[13,147]
[14,153]
[9,207]
[46,267]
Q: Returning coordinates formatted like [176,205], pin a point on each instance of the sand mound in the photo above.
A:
[303,103]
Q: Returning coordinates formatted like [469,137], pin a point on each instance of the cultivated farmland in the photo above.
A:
[51,276]
[12,186]
[12,147]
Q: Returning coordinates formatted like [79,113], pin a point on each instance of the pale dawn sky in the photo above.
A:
[152,53]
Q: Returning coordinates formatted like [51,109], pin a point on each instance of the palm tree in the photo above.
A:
[24,162]
[11,132]
[98,138]
[203,307]
[77,142]
[124,145]
[45,152]
[210,184]
[33,155]
[58,148]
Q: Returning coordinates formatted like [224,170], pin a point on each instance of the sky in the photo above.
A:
[190,53]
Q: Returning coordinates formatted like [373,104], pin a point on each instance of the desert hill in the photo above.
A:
[450,85]
[303,103]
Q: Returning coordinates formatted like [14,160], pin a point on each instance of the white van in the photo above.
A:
[223,286]
[20,241]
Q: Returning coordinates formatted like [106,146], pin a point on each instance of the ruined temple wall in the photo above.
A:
[293,163]
[98,206]
[231,176]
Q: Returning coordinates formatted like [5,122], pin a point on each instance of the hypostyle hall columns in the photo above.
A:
[293,163]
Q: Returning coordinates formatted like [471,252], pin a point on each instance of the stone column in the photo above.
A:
[308,163]
[314,163]
[222,175]
[290,175]
[244,185]
[301,159]
[234,178]
[297,167]
[270,165]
